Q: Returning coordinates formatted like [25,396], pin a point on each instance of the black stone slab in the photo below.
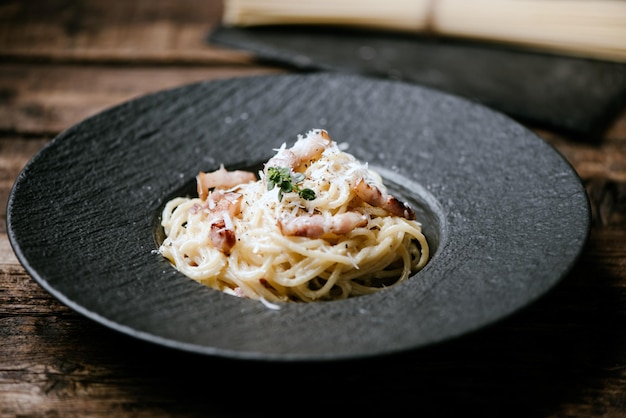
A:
[578,96]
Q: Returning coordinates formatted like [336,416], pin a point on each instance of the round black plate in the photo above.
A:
[506,215]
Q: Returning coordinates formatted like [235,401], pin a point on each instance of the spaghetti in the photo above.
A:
[316,225]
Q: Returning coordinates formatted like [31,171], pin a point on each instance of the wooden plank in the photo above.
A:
[15,152]
[604,160]
[149,31]
[599,159]
[48,99]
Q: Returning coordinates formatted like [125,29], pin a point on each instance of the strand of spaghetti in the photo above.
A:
[409,229]
[334,197]
[302,273]
[251,272]
[173,217]
[312,248]
[325,289]
[373,266]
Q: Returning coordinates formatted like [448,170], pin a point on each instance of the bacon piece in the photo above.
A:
[222,207]
[284,158]
[312,145]
[307,148]
[221,237]
[220,201]
[315,226]
[380,199]
[221,179]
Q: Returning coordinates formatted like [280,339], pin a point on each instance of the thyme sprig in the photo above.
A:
[287,182]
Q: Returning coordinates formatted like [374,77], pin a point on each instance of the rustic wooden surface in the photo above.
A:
[61,61]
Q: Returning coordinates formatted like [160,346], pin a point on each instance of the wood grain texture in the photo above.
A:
[159,32]
[564,356]
[47,100]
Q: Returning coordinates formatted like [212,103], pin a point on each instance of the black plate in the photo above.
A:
[506,215]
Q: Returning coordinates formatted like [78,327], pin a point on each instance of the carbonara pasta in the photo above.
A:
[314,224]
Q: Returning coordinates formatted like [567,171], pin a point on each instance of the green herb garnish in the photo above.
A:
[286,181]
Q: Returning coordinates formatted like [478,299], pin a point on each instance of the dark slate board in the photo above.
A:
[505,214]
[578,96]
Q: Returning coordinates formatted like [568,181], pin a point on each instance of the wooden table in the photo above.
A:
[62,61]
